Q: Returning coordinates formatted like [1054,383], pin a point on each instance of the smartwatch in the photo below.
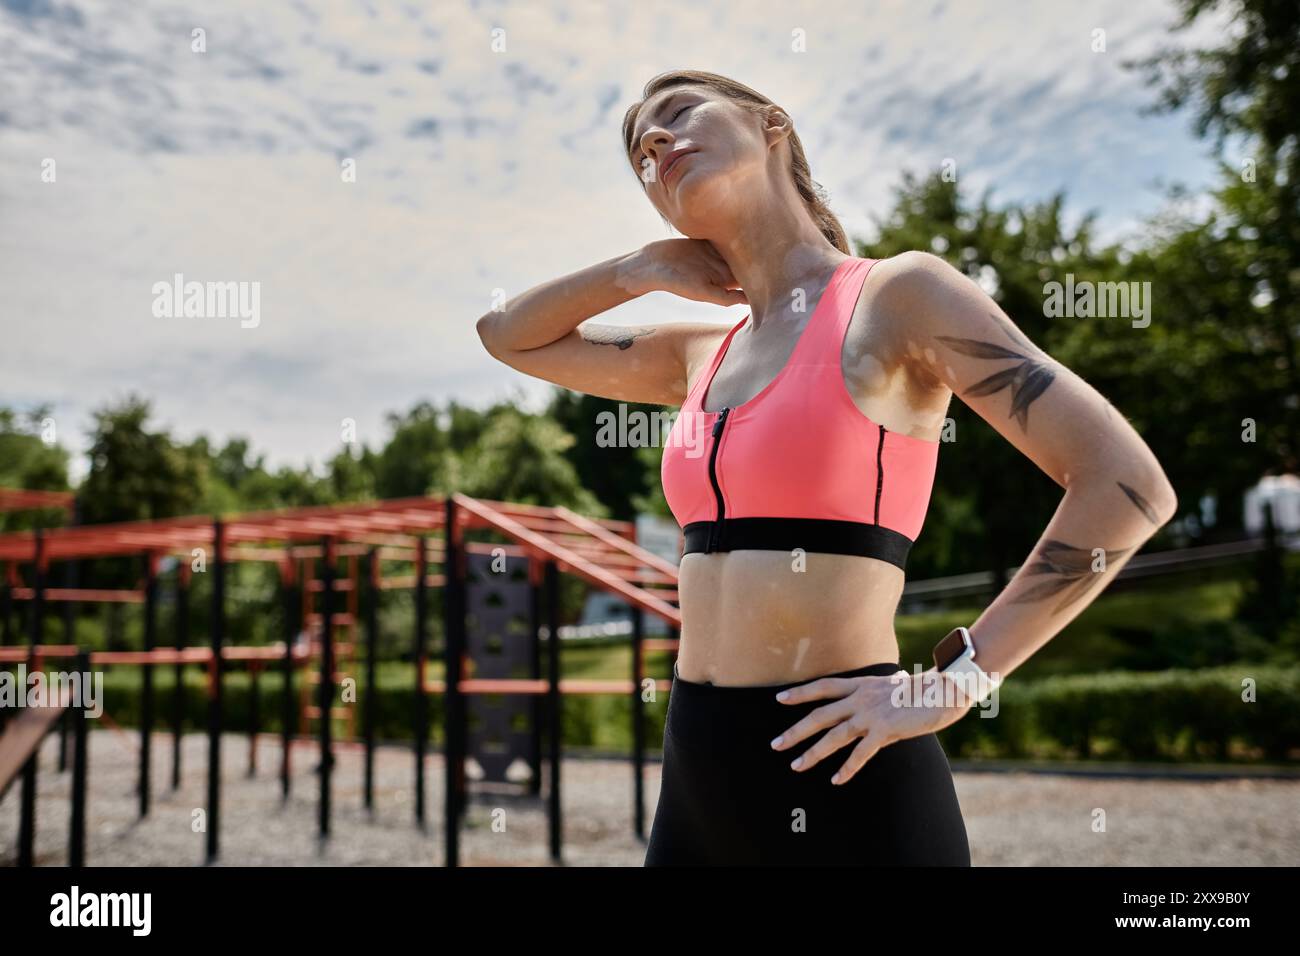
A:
[954,658]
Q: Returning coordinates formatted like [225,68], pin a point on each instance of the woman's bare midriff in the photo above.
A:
[772,617]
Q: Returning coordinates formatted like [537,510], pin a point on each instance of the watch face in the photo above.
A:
[949,649]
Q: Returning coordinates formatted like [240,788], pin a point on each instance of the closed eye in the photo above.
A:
[642,159]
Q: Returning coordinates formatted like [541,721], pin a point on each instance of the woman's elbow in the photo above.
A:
[1166,514]
[1164,499]
[485,333]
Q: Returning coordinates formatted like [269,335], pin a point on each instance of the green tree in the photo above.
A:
[1011,251]
[28,461]
[417,456]
[352,474]
[521,458]
[284,488]
[1211,369]
[137,473]
[1244,93]
[621,475]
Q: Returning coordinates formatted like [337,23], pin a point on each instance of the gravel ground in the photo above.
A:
[1013,819]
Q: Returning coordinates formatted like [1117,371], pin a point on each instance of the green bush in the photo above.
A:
[1187,715]
[1165,715]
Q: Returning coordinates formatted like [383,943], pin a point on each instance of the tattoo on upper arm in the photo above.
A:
[1141,503]
[622,336]
[1066,569]
[1027,379]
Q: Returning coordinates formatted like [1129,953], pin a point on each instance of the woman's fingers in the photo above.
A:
[821,718]
[819,689]
[720,295]
[864,751]
[834,739]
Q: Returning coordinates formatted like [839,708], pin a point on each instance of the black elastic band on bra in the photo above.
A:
[810,534]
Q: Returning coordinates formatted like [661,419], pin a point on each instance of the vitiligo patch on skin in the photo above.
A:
[801,650]
[866,372]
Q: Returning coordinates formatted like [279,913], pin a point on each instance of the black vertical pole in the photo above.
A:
[77,825]
[218,636]
[534,700]
[27,817]
[254,713]
[69,637]
[554,728]
[27,811]
[38,591]
[27,799]
[638,721]
[421,693]
[291,626]
[372,657]
[1270,577]
[71,579]
[182,625]
[454,706]
[69,607]
[6,605]
[326,683]
[146,681]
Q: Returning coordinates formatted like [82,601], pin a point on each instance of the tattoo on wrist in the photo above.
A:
[1027,379]
[1068,570]
[622,336]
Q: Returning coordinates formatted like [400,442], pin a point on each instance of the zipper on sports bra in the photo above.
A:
[715,533]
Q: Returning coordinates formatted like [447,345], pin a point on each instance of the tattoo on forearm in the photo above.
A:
[1027,379]
[622,336]
[1065,569]
[1141,503]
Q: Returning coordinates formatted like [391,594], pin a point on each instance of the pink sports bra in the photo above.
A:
[798,465]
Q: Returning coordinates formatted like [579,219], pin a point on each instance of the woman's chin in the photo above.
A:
[703,202]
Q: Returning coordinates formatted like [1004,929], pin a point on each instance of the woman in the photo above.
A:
[800,467]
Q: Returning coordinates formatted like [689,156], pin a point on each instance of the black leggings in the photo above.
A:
[728,798]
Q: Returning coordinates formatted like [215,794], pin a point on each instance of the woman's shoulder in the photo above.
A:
[910,274]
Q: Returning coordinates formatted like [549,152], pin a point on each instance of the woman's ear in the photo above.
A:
[777,124]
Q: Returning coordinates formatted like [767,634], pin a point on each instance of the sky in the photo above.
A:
[485,142]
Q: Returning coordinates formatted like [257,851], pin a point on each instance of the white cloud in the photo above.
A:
[476,170]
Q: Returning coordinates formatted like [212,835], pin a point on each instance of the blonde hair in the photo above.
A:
[813,194]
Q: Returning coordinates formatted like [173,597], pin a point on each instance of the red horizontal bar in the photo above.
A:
[20,499]
[158,656]
[82,594]
[16,655]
